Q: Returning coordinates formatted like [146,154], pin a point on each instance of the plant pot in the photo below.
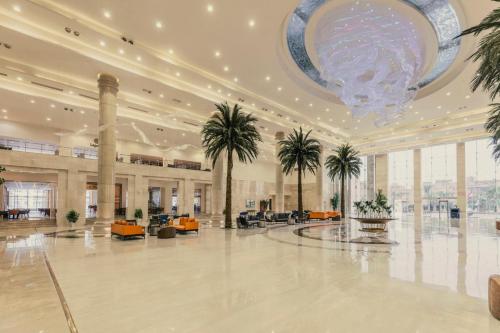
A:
[138,221]
[498,225]
[262,223]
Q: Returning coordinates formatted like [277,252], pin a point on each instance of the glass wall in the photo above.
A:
[439,179]
[401,182]
[358,186]
[482,184]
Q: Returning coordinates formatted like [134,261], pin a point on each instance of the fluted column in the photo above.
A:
[108,89]
[217,190]
[370,177]
[189,197]
[417,184]
[280,184]
[461,193]
[319,183]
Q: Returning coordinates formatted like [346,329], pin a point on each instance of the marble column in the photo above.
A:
[217,188]
[77,186]
[207,208]
[141,194]
[417,183]
[180,197]
[381,173]
[189,197]
[108,89]
[320,205]
[130,197]
[370,177]
[280,184]
[166,198]
[62,189]
[2,197]
[461,192]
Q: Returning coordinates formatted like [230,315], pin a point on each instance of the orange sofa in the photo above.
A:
[333,214]
[187,224]
[318,216]
[124,229]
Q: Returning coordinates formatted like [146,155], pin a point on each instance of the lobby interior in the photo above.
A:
[114,207]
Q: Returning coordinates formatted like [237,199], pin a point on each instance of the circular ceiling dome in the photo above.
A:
[373,55]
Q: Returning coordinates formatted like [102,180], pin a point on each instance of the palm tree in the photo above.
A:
[298,150]
[2,169]
[344,164]
[488,74]
[230,130]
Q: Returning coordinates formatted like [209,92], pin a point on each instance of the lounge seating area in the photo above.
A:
[184,224]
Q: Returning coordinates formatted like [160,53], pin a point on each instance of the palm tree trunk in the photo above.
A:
[342,197]
[228,223]
[299,196]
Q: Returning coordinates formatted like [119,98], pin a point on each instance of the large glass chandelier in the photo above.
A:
[371,57]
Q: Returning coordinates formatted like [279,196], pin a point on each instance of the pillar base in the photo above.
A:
[216,220]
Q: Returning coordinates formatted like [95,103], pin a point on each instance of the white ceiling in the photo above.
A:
[179,77]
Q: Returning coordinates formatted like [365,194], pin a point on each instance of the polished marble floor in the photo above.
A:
[433,280]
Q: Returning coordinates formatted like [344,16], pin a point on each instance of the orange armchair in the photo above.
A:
[125,230]
[187,224]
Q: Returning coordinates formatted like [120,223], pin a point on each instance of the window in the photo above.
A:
[401,181]
[439,178]
[359,185]
[481,172]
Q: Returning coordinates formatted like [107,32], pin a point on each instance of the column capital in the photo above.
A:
[107,81]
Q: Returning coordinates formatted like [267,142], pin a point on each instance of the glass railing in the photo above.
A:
[85,153]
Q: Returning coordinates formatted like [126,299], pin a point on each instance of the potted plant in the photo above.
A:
[138,215]
[335,201]
[72,216]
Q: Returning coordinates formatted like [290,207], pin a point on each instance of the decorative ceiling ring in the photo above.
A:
[439,13]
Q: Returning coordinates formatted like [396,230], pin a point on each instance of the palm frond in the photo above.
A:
[298,150]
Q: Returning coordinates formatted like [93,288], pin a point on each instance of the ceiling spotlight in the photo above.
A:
[296,99]
[4,110]
[161,96]
[217,54]
[19,78]
[439,107]
[268,78]
[139,58]
[5,117]
[48,119]
[177,74]
[188,104]
[32,101]
[82,112]
[85,125]
[107,14]
[183,134]
[467,97]
[102,43]
[310,105]
[52,105]
[170,51]
[210,8]
[16,8]
[226,69]
[235,79]
[209,86]
[251,23]
[448,93]
[121,51]
[159,25]
[280,88]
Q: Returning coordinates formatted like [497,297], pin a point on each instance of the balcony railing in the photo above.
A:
[86,153]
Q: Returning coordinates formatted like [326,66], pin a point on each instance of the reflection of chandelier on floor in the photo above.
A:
[371,57]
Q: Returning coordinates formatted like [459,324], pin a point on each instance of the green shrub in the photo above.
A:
[72,216]
[138,213]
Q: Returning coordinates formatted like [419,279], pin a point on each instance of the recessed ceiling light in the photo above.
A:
[310,105]
[228,94]
[226,69]
[465,119]
[210,8]
[157,144]
[4,110]
[235,79]
[296,99]
[52,105]
[19,78]
[107,14]
[209,86]
[188,104]
[48,119]
[102,43]
[121,51]
[16,8]
[158,24]
[330,119]
[343,120]
[139,58]
[448,93]
[170,51]
[161,95]
[410,107]
[177,74]
[356,128]
[251,23]
[421,118]
[439,107]
[280,88]
[318,118]
[71,92]
[268,78]
[183,134]
[359,120]
[5,117]
[85,125]
[82,112]
[136,140]
[219,91]
[327,110]
[217,54]
[467,97]
[32,101]
[157,114]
